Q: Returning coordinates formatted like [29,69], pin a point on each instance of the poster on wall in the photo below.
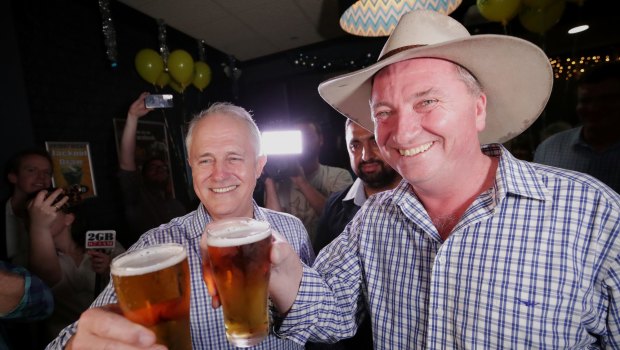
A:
[73,167]
[151,142]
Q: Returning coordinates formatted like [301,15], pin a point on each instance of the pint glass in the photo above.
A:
[239,250]
[152,285]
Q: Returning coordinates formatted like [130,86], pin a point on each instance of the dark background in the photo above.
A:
[58,85]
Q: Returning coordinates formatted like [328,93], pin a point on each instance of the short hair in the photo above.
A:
[473,85]
[13,164]
[599,73]
[309,121]
[230,110]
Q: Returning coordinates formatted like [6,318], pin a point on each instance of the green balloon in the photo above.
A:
[149,65]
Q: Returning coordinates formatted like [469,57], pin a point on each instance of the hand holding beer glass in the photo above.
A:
[239,266]
[152,285]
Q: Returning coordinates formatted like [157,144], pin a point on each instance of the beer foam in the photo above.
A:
[236,231]
[149,259]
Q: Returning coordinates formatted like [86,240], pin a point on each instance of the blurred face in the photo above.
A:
[224,166]
[598,104]
[366,160]
[34,174]
[156,172]
[312,141]
[426,120]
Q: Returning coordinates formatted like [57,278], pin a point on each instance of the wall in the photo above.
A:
[61,87]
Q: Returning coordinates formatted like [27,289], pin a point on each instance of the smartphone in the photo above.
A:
[158,101]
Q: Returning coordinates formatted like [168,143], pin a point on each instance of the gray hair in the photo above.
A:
[473,85]
[229,110]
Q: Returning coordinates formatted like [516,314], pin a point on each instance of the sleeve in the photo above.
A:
[37,302]
[610,288]
[329,304]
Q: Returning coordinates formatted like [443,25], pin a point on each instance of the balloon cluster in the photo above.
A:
[182,70]
[537,16]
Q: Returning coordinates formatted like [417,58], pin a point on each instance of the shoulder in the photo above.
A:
[178,230]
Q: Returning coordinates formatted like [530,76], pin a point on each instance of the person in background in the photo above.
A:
[374,175]
[593,147]
[223,144]
[304,193]
[75,274]
[27,172]
[474,248]
[23,298]
[146,194]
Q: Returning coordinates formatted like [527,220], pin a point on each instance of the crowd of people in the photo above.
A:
[444,239]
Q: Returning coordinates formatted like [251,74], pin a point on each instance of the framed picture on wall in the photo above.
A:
[72,166]
[151,142]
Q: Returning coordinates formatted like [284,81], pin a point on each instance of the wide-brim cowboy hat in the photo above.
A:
[515,74]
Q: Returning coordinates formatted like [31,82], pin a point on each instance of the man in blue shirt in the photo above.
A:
[223,144]
[475,248]
[593,147]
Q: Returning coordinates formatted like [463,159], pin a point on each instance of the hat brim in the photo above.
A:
[515,75]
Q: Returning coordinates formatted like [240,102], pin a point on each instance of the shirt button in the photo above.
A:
[441,259]
[439,312]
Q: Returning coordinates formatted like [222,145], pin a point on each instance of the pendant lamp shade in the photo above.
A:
[379,17]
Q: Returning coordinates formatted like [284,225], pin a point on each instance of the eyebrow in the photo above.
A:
[415,95]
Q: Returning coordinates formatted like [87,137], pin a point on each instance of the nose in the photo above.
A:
[405,126]
[369,150]
[220,170]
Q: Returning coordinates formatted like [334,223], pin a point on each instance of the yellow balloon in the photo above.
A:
[149,65]
[539,20]
[181,67]
[499,10]
[163,80]
[202,75]
[176,86]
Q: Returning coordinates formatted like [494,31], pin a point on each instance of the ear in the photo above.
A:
[12,178]
[260,164]
[481,112]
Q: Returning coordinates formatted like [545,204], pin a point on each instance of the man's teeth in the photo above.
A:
[414,151]
[224,189]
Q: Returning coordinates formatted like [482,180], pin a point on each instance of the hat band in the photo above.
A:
[398,50]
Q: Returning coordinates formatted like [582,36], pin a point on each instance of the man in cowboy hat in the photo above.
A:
[476,249]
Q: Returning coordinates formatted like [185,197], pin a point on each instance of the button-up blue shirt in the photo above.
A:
[206,323]
[533,263]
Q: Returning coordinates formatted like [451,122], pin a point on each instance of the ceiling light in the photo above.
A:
[578,29]
[379,17]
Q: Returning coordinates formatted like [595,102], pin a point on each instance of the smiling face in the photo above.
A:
[225,165]
[426,119]
[33,174]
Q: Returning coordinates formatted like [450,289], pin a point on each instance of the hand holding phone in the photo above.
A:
[158,101]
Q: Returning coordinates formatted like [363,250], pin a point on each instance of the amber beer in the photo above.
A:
[153,289]
[239,251]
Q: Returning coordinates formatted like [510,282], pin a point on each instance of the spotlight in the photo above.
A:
[578,29]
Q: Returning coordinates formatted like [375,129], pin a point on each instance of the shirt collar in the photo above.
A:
[203,218]
[356,193]
[513,176]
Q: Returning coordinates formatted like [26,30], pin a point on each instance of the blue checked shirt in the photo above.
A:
[534,263]
[207,324]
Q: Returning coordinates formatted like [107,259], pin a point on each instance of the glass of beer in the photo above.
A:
[153,285]
[239,250]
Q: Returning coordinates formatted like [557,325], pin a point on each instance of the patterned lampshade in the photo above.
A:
[379,17]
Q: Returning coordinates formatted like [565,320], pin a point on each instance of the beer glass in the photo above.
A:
[153,285]
[239,250]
